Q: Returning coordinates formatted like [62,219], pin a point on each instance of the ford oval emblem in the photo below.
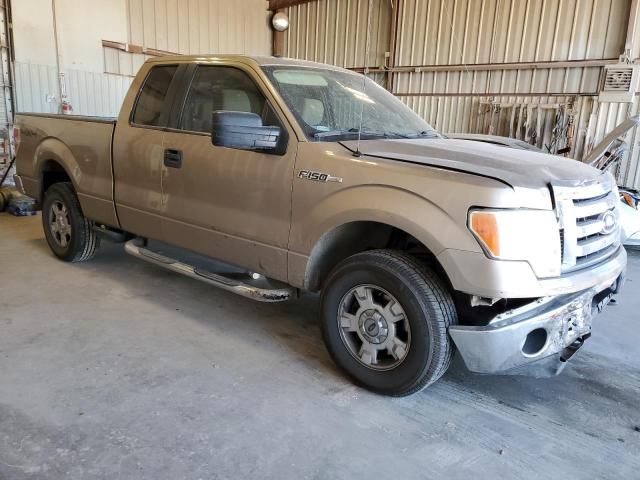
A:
[608,220]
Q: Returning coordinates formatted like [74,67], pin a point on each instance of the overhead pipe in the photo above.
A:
[491,66]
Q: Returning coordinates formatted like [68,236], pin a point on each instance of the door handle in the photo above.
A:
[172,158]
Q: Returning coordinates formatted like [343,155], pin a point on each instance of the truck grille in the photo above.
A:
[588,221]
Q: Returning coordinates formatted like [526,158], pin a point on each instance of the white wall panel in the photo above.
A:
[33,34]
[96,78]
[34,84]
[90,93]
[201,26]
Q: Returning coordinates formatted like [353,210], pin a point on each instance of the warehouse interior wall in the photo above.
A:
[102,43]
[161,27]
[34,32]
[505,67]
[201,26]
[527,69]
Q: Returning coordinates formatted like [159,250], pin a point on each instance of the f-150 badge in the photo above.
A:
[318,176]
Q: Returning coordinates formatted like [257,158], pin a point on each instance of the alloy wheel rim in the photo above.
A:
[60,223]
[374,327]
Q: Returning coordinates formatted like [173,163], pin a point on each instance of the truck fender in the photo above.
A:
[324,230]
[51,149]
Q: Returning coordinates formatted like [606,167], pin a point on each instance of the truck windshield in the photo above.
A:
[328,105]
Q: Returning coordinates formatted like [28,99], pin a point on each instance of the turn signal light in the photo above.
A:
[627,199]
[485,226]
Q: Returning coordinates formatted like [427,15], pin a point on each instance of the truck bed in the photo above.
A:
[82,146]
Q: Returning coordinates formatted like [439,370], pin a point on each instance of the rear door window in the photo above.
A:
[151,108]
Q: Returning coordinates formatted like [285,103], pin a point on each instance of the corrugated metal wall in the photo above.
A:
[457,62]
[37,86]
[335,32]
[201,26]
[499,31]
[89,93]
[191,27]
[180,26]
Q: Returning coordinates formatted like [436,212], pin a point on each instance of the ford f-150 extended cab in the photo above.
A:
[270,176]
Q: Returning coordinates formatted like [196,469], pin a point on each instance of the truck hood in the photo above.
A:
[517,168]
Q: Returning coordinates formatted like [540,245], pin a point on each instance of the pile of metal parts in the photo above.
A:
[547,126]
[609,155]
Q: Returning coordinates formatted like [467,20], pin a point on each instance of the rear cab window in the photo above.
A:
[151,108]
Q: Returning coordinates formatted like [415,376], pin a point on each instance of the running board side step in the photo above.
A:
[135,248]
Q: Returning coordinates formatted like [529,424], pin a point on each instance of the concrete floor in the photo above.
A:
[118,369]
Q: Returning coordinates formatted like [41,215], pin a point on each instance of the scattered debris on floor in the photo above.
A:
[16,203]
[5,196]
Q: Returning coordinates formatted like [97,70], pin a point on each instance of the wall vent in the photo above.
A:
[620,83]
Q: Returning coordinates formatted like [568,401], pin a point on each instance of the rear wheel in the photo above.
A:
[69,234]
[384,320]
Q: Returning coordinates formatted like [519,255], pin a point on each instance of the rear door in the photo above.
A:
[138,151]
[231,204]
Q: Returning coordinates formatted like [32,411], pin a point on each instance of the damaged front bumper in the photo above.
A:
[535,339]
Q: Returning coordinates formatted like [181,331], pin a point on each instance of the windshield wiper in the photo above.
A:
[425,134]
[354,132]
[332,133]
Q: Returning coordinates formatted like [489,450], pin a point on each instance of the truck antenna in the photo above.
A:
[357,153]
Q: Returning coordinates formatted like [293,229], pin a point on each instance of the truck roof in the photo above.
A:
[260,60]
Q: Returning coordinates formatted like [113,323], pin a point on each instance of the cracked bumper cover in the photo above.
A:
[497,348]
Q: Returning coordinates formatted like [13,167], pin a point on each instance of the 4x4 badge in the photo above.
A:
[318,176]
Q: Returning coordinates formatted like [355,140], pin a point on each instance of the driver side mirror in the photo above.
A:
[242,130]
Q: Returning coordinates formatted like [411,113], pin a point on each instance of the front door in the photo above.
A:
[230,204]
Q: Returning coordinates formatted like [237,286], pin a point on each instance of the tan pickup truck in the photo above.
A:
[270,176]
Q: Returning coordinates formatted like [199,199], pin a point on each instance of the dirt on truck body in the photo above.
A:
[269,176]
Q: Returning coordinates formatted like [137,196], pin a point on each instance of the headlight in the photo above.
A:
[527,235]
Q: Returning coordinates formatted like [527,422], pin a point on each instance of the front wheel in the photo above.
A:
[384,320]
[69,234]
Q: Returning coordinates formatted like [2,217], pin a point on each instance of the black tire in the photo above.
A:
[82,241]
[428,309]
